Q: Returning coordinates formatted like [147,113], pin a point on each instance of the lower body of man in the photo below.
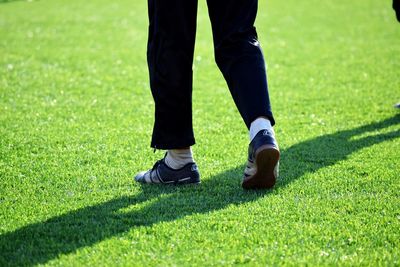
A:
[238,55]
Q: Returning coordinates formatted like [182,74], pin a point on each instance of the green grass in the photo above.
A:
[76,116]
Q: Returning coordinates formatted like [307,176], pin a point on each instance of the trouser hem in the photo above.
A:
[173,145]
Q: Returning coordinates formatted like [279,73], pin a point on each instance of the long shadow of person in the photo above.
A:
[40,242]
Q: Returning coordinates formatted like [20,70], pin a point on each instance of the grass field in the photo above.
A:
[76,116]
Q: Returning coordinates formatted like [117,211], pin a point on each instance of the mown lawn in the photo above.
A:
[76,116]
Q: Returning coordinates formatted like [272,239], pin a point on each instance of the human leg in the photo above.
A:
[170,50]
[239,57]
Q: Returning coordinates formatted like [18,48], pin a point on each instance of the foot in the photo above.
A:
[161,173]
[263,162]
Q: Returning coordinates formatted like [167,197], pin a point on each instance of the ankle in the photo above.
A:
[178,158]
[259,124]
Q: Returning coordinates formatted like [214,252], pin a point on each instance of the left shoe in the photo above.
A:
[262,168]
[161,173]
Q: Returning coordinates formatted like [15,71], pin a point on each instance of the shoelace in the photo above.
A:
[155,166]
[158,162]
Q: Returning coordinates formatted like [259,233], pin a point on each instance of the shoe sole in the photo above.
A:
[266,159]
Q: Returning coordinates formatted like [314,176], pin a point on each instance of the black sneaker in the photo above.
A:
[162,174]
[263,162]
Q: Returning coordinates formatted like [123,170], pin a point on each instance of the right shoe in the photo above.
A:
[262,168]
[161,173]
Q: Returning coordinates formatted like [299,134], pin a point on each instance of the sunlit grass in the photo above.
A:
[76,115]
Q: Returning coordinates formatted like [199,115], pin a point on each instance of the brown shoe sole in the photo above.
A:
[266,159]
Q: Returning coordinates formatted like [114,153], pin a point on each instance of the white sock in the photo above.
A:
[259,125]
[177,158]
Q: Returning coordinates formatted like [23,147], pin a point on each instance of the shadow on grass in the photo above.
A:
[40,242]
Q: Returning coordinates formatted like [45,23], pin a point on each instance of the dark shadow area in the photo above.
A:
[323,151]
[40,242]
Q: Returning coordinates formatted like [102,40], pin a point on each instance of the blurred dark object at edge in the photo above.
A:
[396,7]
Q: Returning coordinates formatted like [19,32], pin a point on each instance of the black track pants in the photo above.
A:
[170,51]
